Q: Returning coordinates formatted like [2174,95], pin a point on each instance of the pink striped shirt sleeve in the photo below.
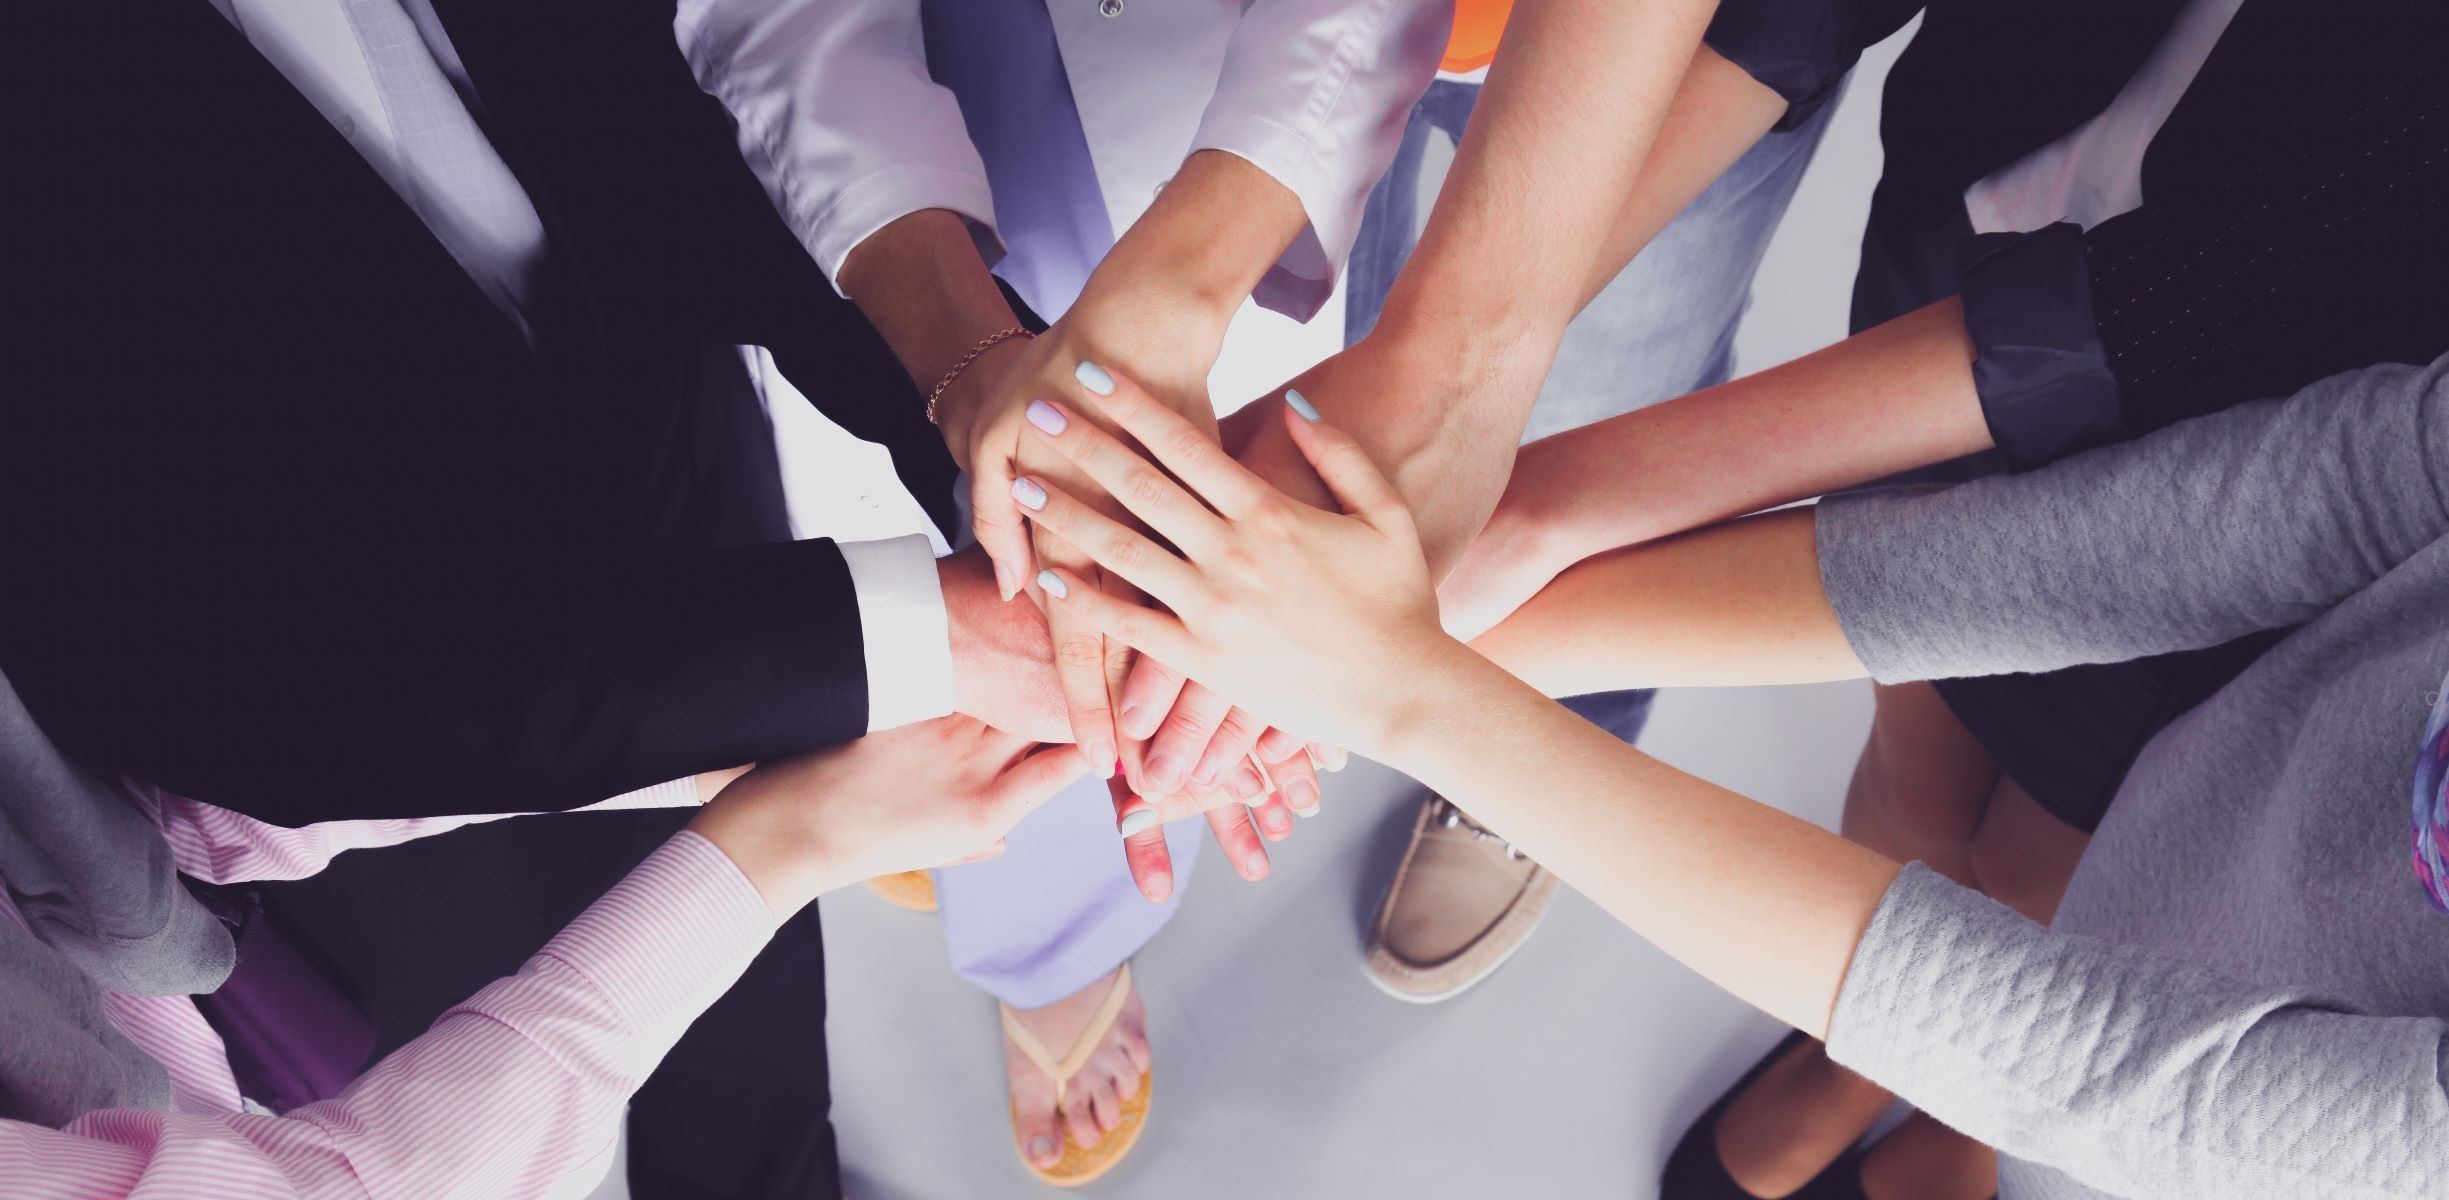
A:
[516,1093]
[220,846]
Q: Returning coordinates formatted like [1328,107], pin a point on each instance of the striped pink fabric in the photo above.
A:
[516,1093]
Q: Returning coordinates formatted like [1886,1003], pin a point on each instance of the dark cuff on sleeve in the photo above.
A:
[2040,368]
[1801,49]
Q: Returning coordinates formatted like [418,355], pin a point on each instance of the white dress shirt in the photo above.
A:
[2095,172]
[842,124]
[384,74]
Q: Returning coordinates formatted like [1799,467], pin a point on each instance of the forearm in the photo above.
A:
[1183,269]
[1739,603]
[1675,858]
[1578,94]
[1719,111]
[920,282]
[1889,399]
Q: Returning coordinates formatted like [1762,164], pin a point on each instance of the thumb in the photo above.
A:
[1029,783]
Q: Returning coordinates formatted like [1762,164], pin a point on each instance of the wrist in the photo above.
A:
[1416,705]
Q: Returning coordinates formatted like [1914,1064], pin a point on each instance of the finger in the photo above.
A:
[1128,476]
[1079,668]
[1148,697]
[1328,758]
[1143,629]
[1345,468]
[997,523]
[1269,813]
[1275,746]
[1143,842]
[1239,840]
[1120,549]
[1031,782]
[1297,784]
[1185,449]
[1185,731]
[1229,747]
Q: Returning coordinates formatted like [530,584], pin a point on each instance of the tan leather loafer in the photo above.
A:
[1462,902]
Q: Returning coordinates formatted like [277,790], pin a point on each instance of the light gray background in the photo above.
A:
[1280,1070]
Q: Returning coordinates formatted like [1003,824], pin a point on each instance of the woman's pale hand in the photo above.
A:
[1306,615]
[1506,565]
[922,795]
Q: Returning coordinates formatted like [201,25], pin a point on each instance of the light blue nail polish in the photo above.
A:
[1052,584]
[1136,822]
[1030,495]
[1094,378]
[1046,417]
[1301,404]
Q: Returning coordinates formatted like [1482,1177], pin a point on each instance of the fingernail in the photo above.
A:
[1094,378]
[1003,581]
[1301,404]
[1302,797]
[1253,868]
[1245,783]
[1273,819]
[1047,417]
[1100,758]
[1029,493]
[1041,1150]
[1137,821]
[1130,720]
[1053,585]
[1159,888]
[1165,771]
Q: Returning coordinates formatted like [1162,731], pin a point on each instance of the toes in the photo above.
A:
[1082,1123]
[1106,1105]
[1038,1129]
[1126,1080]
[1135,1051]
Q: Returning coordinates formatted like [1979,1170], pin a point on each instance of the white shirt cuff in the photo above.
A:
[907,637]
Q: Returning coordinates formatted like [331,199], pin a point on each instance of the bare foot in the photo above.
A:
[1095,1096]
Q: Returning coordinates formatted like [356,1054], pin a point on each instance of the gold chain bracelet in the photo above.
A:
[985,344]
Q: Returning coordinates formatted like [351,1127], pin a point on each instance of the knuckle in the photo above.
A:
[1145,485]
[1080,650]
[1185,442]
[1123,552]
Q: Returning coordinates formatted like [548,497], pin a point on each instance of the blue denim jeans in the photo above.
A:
[1663,327]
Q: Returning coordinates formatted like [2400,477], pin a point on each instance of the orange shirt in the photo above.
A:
[1477,26]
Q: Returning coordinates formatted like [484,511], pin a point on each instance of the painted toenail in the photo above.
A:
[1041,1149]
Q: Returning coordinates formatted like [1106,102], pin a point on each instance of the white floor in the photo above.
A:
[1282,1072]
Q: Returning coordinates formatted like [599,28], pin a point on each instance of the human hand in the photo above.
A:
[1002,672]
[1447,431]
[1174,342]
[922,795]
[1514,557]
[1303,613]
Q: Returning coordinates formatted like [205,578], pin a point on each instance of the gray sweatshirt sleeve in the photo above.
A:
[2132,1073]
[2256,518]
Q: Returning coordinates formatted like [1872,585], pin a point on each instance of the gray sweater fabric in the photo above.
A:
[2245,993]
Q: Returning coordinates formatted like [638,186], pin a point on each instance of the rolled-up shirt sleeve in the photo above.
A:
[1315,93]
[837,116]
[2040,367]
[1802,49]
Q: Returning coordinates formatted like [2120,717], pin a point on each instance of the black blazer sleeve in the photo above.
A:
[340,684]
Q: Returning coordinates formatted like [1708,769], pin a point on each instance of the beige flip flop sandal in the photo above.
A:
[913,890]
[1079,1164]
